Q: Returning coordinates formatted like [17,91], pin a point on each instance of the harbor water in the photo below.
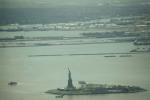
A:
[38,69]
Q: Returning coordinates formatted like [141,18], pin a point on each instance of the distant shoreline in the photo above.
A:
[90,54]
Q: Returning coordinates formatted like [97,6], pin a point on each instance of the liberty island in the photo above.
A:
[88,88]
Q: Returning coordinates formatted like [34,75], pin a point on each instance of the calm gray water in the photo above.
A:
[35,75]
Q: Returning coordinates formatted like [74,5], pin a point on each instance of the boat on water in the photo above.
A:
[59,96]
[110,56]
[88,88]
[125,55]
[12,83]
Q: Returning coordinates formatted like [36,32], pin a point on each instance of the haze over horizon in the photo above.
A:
[60,11]
[57,3]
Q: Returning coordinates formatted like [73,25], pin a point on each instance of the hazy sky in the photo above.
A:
[51,3]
